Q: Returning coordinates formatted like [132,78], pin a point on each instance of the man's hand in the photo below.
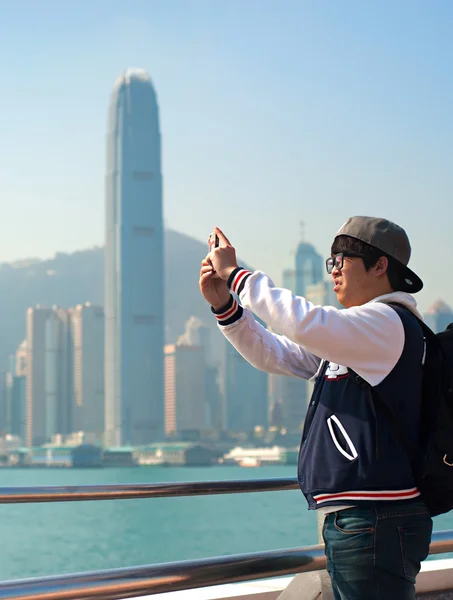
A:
[223,258]
[213,289]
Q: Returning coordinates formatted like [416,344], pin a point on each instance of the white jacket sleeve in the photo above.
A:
[263,349]
[369,339]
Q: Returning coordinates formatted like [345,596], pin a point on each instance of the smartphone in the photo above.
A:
[213,241]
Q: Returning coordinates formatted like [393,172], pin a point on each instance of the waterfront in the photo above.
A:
[45,539]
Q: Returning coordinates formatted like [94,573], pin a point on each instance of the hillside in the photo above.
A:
[70,279]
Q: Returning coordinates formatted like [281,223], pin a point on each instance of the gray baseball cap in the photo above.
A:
[391,239]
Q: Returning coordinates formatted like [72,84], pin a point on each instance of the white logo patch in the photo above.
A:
[334,371]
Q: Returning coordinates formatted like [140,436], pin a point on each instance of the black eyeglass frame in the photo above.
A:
[337,261]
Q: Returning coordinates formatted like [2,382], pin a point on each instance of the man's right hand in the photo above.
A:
[213,289]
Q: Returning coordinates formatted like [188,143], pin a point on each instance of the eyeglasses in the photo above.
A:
[337,260]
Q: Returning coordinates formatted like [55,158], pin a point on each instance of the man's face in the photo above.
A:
[353,284]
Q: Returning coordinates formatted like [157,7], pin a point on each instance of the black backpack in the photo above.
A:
[435,475]
[434,467]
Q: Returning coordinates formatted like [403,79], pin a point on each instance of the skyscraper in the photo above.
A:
[134,312]
[15,398]
[185,388]
[88,336]
[308,270]
[36,375]
[198,334]
[48,374]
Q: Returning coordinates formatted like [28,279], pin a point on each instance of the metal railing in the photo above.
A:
[114,584]
[71,493]
[167,577]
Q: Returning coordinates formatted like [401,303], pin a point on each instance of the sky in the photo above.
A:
[273,113]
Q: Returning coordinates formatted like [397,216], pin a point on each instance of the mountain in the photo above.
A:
[70,279]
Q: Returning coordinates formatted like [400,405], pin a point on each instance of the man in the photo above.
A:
[367,361]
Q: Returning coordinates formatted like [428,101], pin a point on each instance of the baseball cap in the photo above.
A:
[391,239]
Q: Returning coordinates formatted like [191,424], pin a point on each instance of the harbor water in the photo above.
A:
[56,538]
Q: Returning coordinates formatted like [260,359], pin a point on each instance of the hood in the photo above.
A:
[401,298]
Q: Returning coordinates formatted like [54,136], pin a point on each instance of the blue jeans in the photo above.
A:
[375,553]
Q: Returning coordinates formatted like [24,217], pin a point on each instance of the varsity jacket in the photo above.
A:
[349,453]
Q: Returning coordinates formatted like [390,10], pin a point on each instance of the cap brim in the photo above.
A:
[410,282]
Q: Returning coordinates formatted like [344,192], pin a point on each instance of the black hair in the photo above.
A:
[370,255]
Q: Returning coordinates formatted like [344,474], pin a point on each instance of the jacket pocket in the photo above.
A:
[341,439]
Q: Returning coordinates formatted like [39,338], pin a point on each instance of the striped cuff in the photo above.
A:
[231,312]
[237,279]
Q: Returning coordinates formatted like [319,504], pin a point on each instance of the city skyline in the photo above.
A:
[53,387]
[134,286]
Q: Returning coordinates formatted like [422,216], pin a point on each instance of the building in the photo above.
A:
[16,394]
[245,393]
[63,359]
[134,303]
[21,359]
[122,456]
[289,402]
[15,399]
[61,366]
[214,399]
[307,269]
[48,368]
[88,337]
[36,375]
[438,316]
[185,389]
[175,454]
[51,455]
[3,400]
[198,333]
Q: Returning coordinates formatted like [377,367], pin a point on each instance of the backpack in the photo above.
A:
[433,468]
[435,476]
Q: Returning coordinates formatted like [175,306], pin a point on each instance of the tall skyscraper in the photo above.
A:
[134,287]
[308,269]
[48,368]
[88,336]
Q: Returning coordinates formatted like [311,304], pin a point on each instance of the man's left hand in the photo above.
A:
[223,258]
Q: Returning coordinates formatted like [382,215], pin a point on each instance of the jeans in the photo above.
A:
[374,553]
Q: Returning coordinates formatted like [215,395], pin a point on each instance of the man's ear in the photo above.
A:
[382,265]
